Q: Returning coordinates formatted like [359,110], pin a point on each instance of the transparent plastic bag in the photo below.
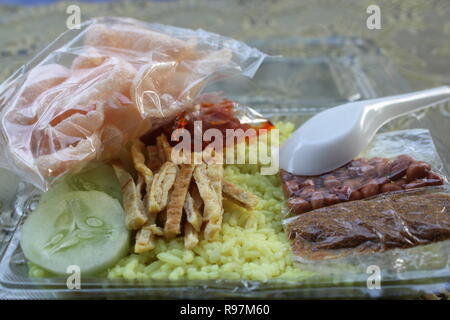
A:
[394,161]
[112,81]
[405,230]
[398,233]
[214,111]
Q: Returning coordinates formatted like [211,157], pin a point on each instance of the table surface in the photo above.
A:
[414,34]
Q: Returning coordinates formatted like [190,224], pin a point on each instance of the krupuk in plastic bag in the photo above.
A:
[113,82]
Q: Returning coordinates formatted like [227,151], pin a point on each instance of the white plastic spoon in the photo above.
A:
[335,136]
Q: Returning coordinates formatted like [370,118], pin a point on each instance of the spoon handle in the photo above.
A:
[392,107]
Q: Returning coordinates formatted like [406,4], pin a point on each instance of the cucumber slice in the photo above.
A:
[95,176]
[83,228]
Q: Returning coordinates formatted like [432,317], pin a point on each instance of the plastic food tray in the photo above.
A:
[302,77]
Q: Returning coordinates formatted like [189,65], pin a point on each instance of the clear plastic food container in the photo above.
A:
[301,78]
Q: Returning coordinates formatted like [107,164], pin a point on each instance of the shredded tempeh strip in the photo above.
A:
[169,192]
[190,236]
[212,208]
[215,175]
[140,185]
[154,161]
[161,185]
[192,207]
[160,148]
[134,209]
[164,148]
[177,199]
[240,197]
[145,240]
[137,154]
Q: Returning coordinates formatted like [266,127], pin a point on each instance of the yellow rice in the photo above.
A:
[251,245]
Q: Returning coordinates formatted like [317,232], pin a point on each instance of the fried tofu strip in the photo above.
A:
[212,205]
[161,185]
[177,199]
[190,236]
[242,198]
[154,161]
[134,209]
[164,148]
[192,207]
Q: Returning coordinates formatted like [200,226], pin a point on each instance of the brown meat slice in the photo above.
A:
[395,221]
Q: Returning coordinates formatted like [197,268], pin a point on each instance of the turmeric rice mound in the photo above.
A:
[252,244]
